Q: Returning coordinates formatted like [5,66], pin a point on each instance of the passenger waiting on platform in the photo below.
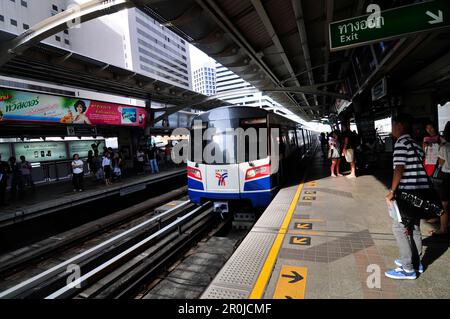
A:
[444,186]
[16,178]
[349,148]
[106,164]
[117,167]
[153,157]
[94,147]
[25,168]
[409,177]
[334,154]
[4,170]
[78,173]
[140,157]
[90,162]
[98,168]
[431,144]
[111,152]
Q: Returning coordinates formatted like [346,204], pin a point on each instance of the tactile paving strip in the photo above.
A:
[243,268]
[285,195]
[273,216]
[216,292]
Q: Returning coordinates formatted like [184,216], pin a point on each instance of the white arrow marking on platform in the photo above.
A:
[437,18]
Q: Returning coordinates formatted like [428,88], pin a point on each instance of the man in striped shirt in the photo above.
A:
[410,176]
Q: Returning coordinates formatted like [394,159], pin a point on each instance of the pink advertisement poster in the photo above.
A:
[37,107]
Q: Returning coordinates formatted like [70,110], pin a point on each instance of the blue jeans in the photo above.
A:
[154,166]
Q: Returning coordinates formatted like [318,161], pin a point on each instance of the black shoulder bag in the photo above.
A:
[420,204]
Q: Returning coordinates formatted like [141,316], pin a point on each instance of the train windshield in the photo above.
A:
[221,145]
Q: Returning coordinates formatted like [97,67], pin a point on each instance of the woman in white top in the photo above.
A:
[444,162]
[106,164]
[334,154]
[78,173]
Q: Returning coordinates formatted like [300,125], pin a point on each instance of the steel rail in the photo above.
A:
[67,290]
[40,278]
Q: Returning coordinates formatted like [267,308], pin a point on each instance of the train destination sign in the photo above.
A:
[389,24]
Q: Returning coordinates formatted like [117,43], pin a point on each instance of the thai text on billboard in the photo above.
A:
[37,107]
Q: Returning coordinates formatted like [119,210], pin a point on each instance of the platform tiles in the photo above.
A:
[326,238]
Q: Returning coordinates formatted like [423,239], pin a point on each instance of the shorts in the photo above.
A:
[350,156]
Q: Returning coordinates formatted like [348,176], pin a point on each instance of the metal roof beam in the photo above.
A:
[276,40]
[299,17]
[224,22]
[329,7]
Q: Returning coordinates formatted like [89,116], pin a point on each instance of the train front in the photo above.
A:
[227,164]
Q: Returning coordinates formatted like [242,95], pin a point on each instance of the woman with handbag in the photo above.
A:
[412,189]
[443,174]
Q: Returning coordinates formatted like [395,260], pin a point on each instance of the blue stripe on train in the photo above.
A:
[194,184]
[260,199]
[258,185]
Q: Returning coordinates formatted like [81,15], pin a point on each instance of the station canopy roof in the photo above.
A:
[285,44]
[279,46]
[54,65]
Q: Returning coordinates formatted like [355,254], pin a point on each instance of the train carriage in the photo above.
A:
[240,171]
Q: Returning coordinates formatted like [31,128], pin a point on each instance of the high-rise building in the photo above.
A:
[99,39]
[128,39]
[158,52]
[204,80]
[233,89]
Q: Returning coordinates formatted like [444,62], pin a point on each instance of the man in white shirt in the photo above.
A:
[78,173]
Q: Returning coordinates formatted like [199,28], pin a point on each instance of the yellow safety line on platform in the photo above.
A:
[261,282]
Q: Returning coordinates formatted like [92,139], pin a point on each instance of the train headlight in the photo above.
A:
[194,173]
[257,172]
[251,173]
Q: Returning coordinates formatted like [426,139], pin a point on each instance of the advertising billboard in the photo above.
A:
[83,147]
[41,151]
[5,152]
[37,107]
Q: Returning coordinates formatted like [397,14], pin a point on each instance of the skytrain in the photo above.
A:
[251,151]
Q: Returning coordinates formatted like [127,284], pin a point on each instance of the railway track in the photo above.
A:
[118,265]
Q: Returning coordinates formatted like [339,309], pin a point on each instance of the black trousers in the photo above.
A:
[78,181]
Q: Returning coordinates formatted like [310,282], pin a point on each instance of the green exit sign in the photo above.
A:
[393,23]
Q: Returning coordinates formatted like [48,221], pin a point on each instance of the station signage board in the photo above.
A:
[83,147]
[26,106]
[41,151]
[389,24]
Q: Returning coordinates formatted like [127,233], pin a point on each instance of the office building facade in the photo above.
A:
[233,89]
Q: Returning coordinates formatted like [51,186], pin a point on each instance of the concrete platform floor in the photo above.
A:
[351,243]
